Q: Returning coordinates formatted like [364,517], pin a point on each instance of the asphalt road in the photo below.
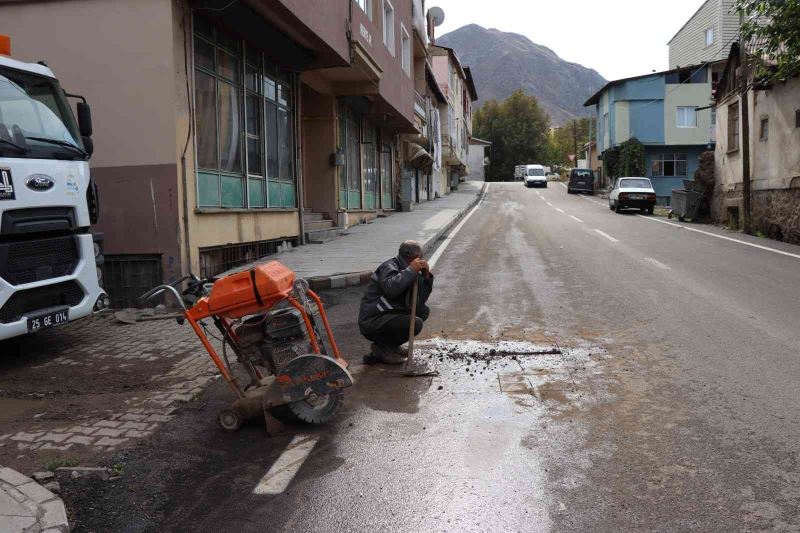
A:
[664,397]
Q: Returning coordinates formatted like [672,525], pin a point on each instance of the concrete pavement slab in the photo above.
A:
[27,506]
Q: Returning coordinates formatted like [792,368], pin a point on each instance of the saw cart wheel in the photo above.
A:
[316,409]
[230,420]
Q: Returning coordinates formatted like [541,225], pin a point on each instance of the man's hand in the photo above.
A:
[420,266]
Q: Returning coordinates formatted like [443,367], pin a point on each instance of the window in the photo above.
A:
[669,165]
[687,117]
[405,49]
[388,25]
[733,127]
[244,124]
[764,130]
[709,36]
[366,7]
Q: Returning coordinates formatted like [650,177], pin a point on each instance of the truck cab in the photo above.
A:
[49,259]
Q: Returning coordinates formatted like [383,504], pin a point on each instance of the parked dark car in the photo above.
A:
[581,180]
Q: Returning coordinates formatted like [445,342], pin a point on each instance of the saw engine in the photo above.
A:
[273,339]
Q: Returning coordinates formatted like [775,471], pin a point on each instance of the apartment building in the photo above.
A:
[225,131]
[458,88]
[707,36]
[668,112]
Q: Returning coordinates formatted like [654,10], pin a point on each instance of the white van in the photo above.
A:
[535,176]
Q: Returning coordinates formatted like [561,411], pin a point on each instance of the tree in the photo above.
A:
[562,141]
[631,158]
[772,29]
[518,130]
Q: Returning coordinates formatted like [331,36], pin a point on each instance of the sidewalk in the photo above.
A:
[26,506]
[350,260]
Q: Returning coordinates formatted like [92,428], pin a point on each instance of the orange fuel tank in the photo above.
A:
[251,291]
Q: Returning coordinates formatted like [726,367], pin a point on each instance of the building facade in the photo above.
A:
[226,131]
[707,36]
[458,88]
[774,116]
[478,159]
[668,112]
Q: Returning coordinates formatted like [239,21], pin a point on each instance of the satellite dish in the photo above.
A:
[437,16]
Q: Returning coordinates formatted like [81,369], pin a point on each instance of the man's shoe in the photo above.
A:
[385,354]
[402,351]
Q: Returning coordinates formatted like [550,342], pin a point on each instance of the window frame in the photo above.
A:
[389,37]
[674,159]
[683,124]
[405,50]
[709,32]
[249,59]
[365,6]
[734,123]
[763,129]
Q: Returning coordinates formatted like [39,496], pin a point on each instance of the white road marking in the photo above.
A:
[606,235]
[576,219]
[435,257]
[657,263]
[563,185]
[277,479]
[548,203]
[723,237]
[543,198]
[557,209]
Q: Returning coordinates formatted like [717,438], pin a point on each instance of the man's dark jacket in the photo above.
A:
[389,294]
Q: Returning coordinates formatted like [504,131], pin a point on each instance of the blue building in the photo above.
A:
[669,112]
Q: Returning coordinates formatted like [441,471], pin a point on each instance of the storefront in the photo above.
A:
[244,117]
[366,166]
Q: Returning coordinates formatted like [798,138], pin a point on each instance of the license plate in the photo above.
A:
[637,196]
[48,320]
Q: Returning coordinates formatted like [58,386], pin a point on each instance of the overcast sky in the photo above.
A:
[617,38]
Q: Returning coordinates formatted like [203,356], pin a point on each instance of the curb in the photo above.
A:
[29,507]
[359,279]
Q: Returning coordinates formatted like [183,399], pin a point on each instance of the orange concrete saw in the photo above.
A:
[266,316]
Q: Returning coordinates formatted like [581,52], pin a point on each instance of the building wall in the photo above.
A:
[775,163]
[690,94]
[622,122]
[477,155]
[319,143]
[97,49]
[688,47]
[647,121]
[664,185]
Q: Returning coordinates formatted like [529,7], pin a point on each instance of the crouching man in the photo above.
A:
[386,306]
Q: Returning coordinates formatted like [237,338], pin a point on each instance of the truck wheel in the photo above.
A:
[317,410]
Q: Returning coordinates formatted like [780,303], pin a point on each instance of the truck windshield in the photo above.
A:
[535,172]
[35,119]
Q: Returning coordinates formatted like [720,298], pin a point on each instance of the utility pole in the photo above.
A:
[745,114]
[575,139]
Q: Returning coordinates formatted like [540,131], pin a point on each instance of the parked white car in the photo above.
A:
[535,176]
[632,193]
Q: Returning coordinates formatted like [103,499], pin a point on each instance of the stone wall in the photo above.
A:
[776,212]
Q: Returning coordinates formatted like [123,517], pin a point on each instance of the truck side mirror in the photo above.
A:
[84,119]
[88,145]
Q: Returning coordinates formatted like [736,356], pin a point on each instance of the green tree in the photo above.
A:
[631,158]
[518,130]
[561,143]
[772,29]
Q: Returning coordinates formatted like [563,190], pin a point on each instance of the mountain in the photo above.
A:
[503,62]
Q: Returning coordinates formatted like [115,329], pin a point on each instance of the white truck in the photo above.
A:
[49,259]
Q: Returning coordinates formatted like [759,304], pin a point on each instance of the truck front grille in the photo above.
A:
[24,302]
[38,259]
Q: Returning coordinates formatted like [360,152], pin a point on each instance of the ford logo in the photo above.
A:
[39,183]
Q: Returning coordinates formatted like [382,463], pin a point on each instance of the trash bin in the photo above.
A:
[685,204]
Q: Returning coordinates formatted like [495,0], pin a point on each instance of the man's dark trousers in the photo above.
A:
[391,329]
